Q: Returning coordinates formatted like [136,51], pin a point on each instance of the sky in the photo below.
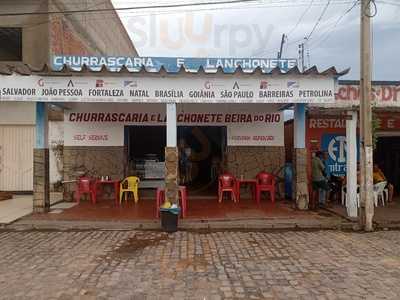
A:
[254,29]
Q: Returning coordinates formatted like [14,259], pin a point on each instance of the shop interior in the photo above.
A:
[387,156]
[206,152]
[201,152]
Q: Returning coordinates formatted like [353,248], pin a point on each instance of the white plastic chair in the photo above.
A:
[386,194]
[379,193]
[344,195]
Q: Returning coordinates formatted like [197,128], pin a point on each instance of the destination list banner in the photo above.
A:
[173,88]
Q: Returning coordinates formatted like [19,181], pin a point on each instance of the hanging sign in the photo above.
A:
[103,124]
[172,88]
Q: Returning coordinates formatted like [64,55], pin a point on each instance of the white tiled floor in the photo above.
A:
[11,210]
[22,205]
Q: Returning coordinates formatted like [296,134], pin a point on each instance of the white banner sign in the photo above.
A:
[103,124]
[187,88]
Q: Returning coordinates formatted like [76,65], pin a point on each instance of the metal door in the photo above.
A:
[16,157]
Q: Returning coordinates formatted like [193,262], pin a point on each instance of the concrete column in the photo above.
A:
[171,156]
[41,177]
[351,165]
[300,184]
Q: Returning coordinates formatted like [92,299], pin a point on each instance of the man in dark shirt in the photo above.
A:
[319,181]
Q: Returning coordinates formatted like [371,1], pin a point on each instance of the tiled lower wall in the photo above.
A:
[41,200]
[92,161]
[98,161]
[248,161]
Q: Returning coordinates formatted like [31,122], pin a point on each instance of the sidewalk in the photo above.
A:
[309,220]
[20,206]
[15,208]
[203,214]
[387,216]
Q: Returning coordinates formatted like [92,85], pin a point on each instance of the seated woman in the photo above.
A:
[379,177]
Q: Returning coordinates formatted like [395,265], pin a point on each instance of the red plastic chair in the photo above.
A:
[227,183]
[160,198]
[265,183]
[85,186]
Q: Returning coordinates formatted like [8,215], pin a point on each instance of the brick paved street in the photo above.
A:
[187,265]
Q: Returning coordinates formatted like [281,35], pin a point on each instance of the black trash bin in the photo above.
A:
[169,219]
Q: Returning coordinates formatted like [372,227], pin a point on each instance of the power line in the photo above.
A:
[319,20]
[354,3]
[312,31]
[272,50]
[329,32]
[301,18]
[127,8]
[128,14]
[389,2]
[175,5]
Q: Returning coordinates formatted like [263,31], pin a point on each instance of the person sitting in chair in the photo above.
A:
[379,177]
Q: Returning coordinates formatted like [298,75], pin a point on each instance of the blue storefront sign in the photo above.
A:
[173,64]
[336,147]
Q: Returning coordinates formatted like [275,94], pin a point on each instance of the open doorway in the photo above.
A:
[201,152]
[145,150]
[201,156]
[387,156]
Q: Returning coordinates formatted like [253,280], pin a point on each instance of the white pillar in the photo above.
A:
[171,125]
[300,158]
[351,165]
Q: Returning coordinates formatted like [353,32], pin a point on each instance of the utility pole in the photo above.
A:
[282,43]
[301,56]
[366,147]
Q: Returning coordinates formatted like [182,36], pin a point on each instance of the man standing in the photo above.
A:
[319,182]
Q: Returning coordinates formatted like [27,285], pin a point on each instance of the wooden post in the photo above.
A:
[366,148]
